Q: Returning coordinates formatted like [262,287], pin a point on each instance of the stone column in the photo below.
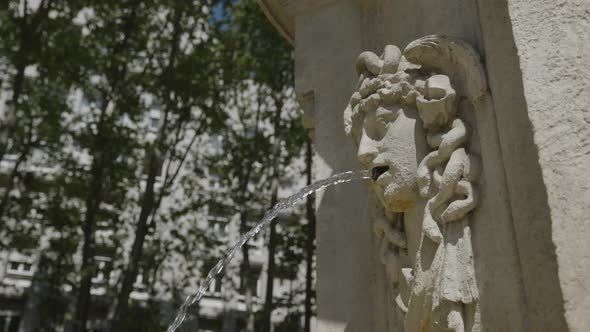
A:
[332,33]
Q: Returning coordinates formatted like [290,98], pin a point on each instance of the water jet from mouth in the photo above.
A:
[266,220]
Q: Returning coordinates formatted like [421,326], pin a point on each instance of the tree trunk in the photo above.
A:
[245,269]
[246,273]
[310,245]
[7,126]
[276,153]
[270,272]
[29,35]
[93,201]
[149,203]
[116,75]
[14,174]
[141,230]
[229,321]
[31,318]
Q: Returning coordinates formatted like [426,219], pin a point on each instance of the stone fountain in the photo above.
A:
[472,118]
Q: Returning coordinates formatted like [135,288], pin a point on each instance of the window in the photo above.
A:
[253,285]
[286,272]
[214,181]
[160,168]
[219,225]
[92,100]
[216,210]
[154,123]
[252,282]
[216,286]
[9,322]
[142,279]
[216,143]
[250,132]
[102,270]
[139,281]
[20,268]
[154,117]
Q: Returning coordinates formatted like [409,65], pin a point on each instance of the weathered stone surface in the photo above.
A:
[539,69]
[529,126]
[344,290]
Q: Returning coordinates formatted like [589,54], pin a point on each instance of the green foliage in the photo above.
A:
[144,318]
[81,80]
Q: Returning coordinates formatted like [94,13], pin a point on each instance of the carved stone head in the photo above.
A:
[409,134]
[389,116]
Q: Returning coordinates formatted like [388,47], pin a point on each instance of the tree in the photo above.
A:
[310,239]
[269,59]
[184,84]
[115,38]
[246,146]
[36,73]
[84,81]
[265,59]
[35,83]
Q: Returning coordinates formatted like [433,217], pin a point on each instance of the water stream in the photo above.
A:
[266,220]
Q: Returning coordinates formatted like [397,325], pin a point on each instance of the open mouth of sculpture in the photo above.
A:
[377,171]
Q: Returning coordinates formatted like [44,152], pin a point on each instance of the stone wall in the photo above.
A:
[531,130]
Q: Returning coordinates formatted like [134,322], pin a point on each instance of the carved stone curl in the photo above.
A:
[405,120]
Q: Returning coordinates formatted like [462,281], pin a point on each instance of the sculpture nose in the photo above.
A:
[367,150]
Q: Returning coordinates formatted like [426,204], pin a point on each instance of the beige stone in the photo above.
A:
[431,186]
[521,88]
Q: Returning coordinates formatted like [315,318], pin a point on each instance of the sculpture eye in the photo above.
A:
[386,115]
[357,126]
[379,128]
[375,124]
[382,118]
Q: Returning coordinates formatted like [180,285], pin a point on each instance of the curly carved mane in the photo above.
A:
[446,176]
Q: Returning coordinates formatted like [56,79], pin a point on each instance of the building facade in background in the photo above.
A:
[223,307]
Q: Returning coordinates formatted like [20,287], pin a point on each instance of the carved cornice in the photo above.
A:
[282,13]
[280,16]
